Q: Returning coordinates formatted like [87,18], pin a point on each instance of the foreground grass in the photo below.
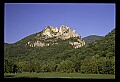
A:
[58,75]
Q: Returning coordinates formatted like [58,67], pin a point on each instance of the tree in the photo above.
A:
[10,66]
[66,66]
[90,65]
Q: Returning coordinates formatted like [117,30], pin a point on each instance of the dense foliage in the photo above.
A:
[95,58]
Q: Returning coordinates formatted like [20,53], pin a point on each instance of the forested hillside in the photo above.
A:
[95,58]
[91,38]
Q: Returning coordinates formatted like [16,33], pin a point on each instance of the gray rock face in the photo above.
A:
[65,32]
[78,43]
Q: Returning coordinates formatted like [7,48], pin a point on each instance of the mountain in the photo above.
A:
[61,55]
[91,38]
[51,36]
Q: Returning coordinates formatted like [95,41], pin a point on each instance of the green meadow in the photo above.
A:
[58,75]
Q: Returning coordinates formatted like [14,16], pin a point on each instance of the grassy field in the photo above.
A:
[58,75]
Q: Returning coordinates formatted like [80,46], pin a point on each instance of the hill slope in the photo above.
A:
[96,57]
[91,38]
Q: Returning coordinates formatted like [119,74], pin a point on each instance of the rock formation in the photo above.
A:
[64,33]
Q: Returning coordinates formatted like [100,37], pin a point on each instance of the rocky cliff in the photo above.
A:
[63,33]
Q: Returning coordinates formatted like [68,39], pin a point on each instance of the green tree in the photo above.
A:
[90,65]
[10,66]
[66,66]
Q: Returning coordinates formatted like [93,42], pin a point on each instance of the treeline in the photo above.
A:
[92,65]
[95,58]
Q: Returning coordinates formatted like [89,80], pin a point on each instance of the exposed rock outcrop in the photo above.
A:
[77,44]
[65,32]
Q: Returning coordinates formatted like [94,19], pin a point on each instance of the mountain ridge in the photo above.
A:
[63,58]
[91,38]
[41,39]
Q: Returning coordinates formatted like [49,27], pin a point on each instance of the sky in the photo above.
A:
[24,19]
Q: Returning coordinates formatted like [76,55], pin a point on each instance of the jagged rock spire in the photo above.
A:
[65,32]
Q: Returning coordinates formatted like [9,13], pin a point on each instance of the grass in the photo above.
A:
[58,75]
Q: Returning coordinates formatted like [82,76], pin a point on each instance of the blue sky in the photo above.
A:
[24,19]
